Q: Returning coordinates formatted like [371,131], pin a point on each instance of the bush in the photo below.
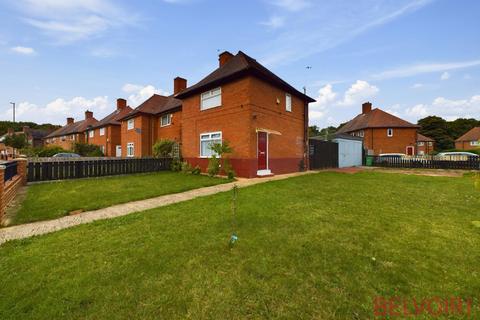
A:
[87,150]
[213,166]
[196,171]
[163,148]
[186,167]
[49,151]
[176,165]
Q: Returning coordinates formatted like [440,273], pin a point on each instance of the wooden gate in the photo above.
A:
[323,154]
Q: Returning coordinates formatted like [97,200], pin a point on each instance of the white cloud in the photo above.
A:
[445,76]
[274,22]
[446,108]
[358,93]
[138,93]
[325,98]
[23,50]
[291,5]
[74,20]
[417,86]
[418,111]
[409,71]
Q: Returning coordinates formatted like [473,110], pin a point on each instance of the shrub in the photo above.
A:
[196,170]
[49,151]
[87,150]
[213,166]
[163,148]
[222,150]
[176,165]
[186,167]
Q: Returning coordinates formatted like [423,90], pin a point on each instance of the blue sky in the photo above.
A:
[410,57]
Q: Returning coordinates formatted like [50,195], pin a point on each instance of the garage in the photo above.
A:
[350,150]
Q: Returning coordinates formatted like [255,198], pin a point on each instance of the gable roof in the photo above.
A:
[76,127]
[113,118]
[472,135]
[376,118]
[155,105]
[421,137]
[238,66]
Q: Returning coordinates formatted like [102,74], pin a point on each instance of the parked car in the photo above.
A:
[66,155]
[390,157]
[458,155]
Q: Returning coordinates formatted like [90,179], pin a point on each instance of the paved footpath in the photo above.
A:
[43,227]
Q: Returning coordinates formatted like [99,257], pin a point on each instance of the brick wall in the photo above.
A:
[465,145]
[9,189]
[109,140]
[376,139]
[66,142]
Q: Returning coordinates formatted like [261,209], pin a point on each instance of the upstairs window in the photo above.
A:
[206,141]
[102,131]
[211,99]
[288,102]
[90,133]
[475,143]
[389,132]
[421,143]
[166,120]
[130,124]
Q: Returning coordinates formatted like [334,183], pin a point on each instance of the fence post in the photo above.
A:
[22,170]
[2,186]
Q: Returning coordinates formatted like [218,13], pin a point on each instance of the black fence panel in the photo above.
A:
[10,170]
[434,162]
[323,154]
[86,168]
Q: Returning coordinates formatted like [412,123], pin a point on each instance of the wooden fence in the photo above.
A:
[85,168]
[465,163]
[323,154]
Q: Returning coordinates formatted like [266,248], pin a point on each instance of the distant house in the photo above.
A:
[425,145]
[159,117]
[72,132]
[34,136]
[470,140]
[383,132]
[264,118]
[106,133]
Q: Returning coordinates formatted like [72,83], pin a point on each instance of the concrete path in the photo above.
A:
[43,227]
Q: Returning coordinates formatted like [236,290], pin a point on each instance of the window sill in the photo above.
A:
[205,109]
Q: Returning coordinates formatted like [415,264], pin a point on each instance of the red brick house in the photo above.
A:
[383,132]
[469,141]
[264,118]
[106,133]
[159,117]
[425,145]
[72,132]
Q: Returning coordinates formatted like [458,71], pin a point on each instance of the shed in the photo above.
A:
[350,150]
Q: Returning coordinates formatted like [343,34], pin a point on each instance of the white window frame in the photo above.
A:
[475,143]
[361,133]
[421,143]
[208,99]
[168,117]
[209,140]
[130,124]
[288,102]
[101,131]
[102,148]
[390,132]
[130,149]
[91,133]
[430,143]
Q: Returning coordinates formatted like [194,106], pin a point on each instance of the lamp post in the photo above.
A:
[13,104]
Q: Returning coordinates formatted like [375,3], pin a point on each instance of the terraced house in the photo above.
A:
[72,132]
[106,133]
[469,141]
[264,118]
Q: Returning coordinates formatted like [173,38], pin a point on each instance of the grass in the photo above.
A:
[53,200]
[318,246]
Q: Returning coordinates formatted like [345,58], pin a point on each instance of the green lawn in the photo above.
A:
[318,246]
[53,200]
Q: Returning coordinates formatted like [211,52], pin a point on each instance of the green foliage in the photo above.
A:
[213,166]
[327,133]
[227,169]
[87,150]
[50,151]
[16,141]
[176,165]
[18,126]
[301,165]
[30,152]
[186,167]
[196,170]
[163,148]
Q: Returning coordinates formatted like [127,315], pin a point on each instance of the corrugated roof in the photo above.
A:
[156,104]
[376,118]
[76,127]
[421,137]
[472,135]
[239,66]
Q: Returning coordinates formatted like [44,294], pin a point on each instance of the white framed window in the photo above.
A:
[72,137]
[102,148]
[430,143]
[166,120]
[361,133]
[421,143]
[475,143]
[130,149]
[130,124]
[389,132]
[101,131]
[211,99]
[288,102]
[91,133]
[206,141]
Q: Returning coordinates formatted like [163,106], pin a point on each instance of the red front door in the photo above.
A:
[410,151]
[262,152]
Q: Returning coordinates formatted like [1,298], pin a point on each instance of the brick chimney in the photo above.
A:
[69,121]
[88,115]
[224,57]
[121,104]
[179,84]
[366,107]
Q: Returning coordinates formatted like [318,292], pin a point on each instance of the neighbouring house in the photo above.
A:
[106,133]
[382,132]
[469,141]
[425,145]
[159,117]
[71,133]
[35,138]
[264,119]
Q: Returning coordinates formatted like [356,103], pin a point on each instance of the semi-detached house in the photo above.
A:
[71,133]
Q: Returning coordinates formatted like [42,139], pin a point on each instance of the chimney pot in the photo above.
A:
[179,84]
[121,104]
[70,120]
[224,57]
[88,114]
[366,107]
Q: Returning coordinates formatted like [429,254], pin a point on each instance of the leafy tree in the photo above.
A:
[437,129]
[460,126]
[163,148]
[87,150]
[16,141]
[313,131]
[214,163]
[18,126]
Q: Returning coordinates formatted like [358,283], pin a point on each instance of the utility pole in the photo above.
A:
[13,104]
